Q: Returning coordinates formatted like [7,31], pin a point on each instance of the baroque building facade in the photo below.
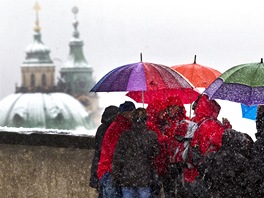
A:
[41,103]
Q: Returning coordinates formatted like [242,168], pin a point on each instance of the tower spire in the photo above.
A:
[37,52]
[76,57]
[37,9]
[75,23]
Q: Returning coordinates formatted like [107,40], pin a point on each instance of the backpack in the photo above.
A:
[192,127]
[193,152]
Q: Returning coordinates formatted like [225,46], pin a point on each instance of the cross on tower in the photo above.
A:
[37,8]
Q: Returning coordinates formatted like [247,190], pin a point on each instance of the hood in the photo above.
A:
[207,108]
[153,110]
[109,114]
[176,101]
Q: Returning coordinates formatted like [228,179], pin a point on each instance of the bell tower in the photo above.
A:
[38,70]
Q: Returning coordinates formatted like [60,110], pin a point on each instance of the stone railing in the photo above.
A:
[45,165]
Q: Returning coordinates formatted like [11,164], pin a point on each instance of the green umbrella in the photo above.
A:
[242,83]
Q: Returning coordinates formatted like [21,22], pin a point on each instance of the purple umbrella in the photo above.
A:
[143,76]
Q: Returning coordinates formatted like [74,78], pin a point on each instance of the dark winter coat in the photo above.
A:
[260,121]
[228,172]
[133,157]
[108,117]
[258,165]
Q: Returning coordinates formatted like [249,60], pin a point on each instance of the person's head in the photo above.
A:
[139,116]
[126,109]
[206,107]
[162,115]
[156,109]
[175,108]
[109,114]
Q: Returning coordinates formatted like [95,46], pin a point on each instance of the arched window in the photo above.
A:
[43,80]
[32,80]
[18,120]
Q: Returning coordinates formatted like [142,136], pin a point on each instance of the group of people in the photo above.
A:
[159,150]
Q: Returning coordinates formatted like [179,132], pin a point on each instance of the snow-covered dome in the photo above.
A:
[41,110]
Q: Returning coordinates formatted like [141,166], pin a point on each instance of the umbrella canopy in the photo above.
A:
[249,112]
[198,75]
[243,84]
[187,95]
[141,76]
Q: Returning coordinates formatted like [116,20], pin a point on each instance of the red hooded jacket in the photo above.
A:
[208,136]
[109,143]
[153,123]
[176,128]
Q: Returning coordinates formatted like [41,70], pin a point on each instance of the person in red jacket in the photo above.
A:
[156,110]
[165,119]
[111,137]
[206,139]
[175,128]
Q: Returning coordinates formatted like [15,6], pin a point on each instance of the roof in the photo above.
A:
[46,111]
[37,52]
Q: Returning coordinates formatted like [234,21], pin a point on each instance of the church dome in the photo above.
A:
[46,111]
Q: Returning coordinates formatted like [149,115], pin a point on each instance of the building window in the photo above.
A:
[32,80]
[43,80]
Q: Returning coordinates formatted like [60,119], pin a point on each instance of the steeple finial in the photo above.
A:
[37,8]
[75,22]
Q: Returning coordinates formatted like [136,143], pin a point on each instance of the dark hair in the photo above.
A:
[139,115]
[127,106]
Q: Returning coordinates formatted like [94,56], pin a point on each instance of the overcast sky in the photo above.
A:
[221,33]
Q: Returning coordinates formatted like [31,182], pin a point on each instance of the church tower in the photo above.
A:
[77,75]
[38,70]
[39,103]
[76,72]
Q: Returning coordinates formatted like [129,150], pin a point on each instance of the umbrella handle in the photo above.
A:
[190,110]
[143,98]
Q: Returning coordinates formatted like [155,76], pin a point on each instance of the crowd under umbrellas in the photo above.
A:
[145,82]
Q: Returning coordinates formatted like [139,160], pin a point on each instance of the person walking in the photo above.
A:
[156,110]
[107,118]
[175,128]
[133,158]
[104,171]
[207,139]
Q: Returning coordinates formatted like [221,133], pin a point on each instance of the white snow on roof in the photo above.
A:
[28,131]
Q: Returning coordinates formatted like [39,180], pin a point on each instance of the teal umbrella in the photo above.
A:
[243,84]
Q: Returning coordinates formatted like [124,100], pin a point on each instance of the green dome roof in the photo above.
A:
[47,111]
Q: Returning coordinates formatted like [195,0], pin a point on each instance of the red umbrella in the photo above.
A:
[198,75]
[187,95]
